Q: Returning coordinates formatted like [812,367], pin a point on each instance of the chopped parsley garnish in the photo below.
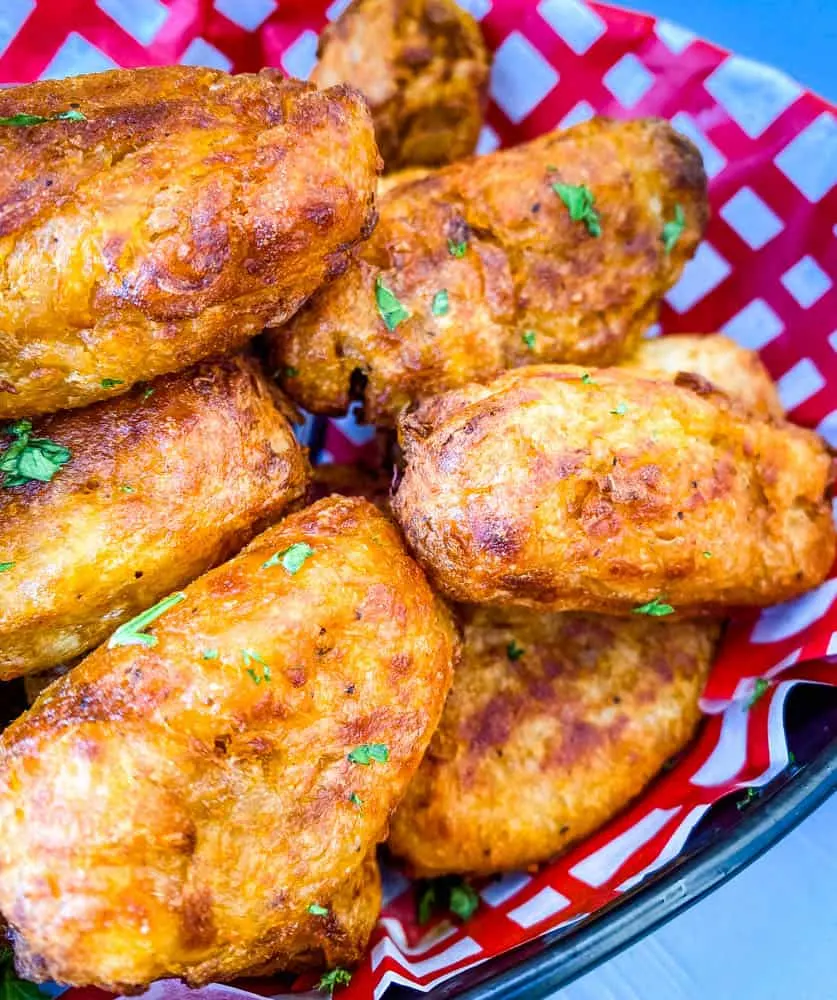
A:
[655,608]
[759,690]
[23,120]
[290,371]
[791,757]
[126,488]
[529,339]
[447,893]
[290,559]
[148,392]
[579,201]
[707,555]
[752,793]
[131,633]
[28,458]
[513,651]
[111,383]
[356,800]
[12,987]
[457,248]
[673,230]
[391,310]
[251,656]
[440,303]
[330,980]
[587,379]
[210,654]
[620,410]
[5,566]
[367,752]
[318,911]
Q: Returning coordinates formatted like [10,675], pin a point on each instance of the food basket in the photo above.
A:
[765,275]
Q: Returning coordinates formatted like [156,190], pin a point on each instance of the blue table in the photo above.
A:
[770,933]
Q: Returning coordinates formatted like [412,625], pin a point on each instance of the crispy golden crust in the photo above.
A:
[535,753]
[190,209]
[423,67]
[157,491]
[527,268]
[733,369]
[549,491]
[223,806]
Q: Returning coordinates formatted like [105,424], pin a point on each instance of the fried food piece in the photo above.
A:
[555,722]
[522,281]
[183,213]
[563,490]
[423,67]
[245,764]
[735,370]
[157,491]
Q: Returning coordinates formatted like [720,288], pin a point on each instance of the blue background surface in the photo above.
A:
[770,933]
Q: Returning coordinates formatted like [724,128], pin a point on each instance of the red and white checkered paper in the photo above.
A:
[765,275]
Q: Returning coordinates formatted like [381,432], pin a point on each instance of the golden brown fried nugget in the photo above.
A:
[185,211]
[559,489]
[246,760]
[156,491]
[555,722]
[423,67]
[735,370]
[480,267]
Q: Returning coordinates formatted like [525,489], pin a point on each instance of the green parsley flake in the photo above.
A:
[367,752]
[23,120]
[447,893]
[440,303]
[457,249]
[6,566]
[587,379]
[760,688]
[111,383]
[329,981]
[579,201]
[318,911]
[391,310]
[791,757]
[131,634]
[27,458]
[148,393]
[655,608]
[125,488]
[529,339]
[290,559]
[621,410]
[513,651]
[673,230]
[12,987]
[707,555]
[356,800]
[210,654]
[290,371]
[251,656]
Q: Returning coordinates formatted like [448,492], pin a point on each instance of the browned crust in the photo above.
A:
[189,209]
[159,488]
[561,489]
[528,268]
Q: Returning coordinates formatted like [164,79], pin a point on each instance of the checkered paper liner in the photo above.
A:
[765,275]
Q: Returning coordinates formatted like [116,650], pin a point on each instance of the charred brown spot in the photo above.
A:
[197,920]
[496,536]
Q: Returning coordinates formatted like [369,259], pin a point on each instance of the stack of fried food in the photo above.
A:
[249,693]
